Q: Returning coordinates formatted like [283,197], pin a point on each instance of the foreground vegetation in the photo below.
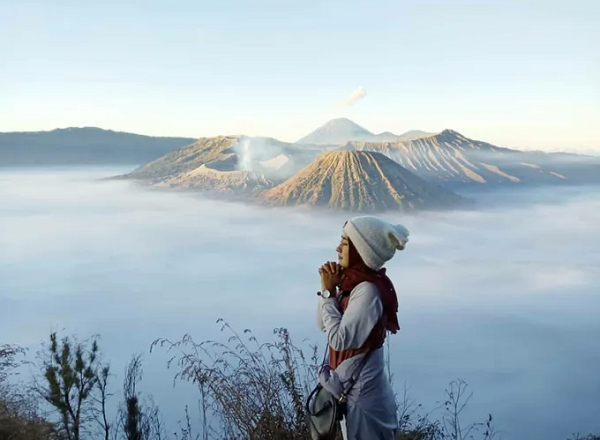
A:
[247,390]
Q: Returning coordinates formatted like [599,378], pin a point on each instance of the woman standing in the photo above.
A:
[357,307]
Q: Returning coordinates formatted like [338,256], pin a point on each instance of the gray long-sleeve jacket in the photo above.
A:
[371,408]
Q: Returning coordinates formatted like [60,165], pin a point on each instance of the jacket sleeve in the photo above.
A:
[320,324]
[351,330]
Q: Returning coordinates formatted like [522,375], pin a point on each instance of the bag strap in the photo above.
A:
[325,355]
[310,396]
[354,377]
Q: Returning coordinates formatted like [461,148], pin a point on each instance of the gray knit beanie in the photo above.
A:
[375,240]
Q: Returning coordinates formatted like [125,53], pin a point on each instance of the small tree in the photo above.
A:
[138,421]
[133,414]
[71,374]
[101,398]
[8,361]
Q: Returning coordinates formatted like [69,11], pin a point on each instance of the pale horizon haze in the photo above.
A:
[524,74]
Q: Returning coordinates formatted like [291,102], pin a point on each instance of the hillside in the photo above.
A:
[359,181]
[451,159]
[275,159]
[412,134]
[211,180]
[185,159]
[83,146]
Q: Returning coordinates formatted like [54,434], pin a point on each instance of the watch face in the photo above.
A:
[326,294]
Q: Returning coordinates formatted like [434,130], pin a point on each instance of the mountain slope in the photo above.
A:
[207,179]
[384,137]
[412,134]
[450,158]
[359,181]
[83,146]
[203,150]
[264,156]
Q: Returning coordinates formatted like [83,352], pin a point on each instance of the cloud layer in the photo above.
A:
[505,298]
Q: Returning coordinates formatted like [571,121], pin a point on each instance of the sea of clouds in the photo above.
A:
[506,297]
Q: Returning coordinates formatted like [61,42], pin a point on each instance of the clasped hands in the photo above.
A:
[331,276]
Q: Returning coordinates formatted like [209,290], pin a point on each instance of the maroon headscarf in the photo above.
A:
[358,272]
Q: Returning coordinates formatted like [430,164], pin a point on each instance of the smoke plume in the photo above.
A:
[354,97]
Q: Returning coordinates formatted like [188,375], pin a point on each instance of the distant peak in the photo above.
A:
[341,122]
[450,132]
[337,132]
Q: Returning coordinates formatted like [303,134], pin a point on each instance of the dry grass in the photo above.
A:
[248,391]
[20,416]
[253,390]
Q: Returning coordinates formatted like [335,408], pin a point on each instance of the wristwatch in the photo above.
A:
[325,294]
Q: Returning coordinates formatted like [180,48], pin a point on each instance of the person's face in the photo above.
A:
[343,251]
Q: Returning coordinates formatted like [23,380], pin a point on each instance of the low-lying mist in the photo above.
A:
[274,159]
[506,297]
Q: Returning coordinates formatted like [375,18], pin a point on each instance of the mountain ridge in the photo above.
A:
[231,153]
[450,158]
[83,146]
[359,181]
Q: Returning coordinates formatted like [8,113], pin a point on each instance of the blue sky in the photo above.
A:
[518,73]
